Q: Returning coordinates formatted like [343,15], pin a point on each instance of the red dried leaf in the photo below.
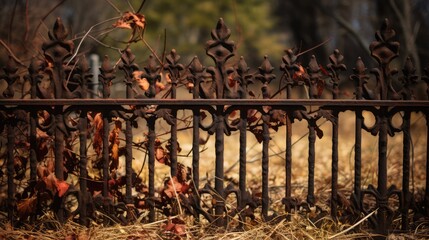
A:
[299,75]
[62,187]
[320,87]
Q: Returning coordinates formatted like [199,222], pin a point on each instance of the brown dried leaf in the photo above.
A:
[172,187]
[160,155]
[319,132]
[50,182]
[159,87]
[130,21]
[27,207]
[98,133]
[42,171]
[176,226]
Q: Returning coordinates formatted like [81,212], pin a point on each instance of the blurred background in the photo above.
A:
[258,27]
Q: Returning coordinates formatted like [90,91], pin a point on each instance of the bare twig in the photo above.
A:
[113,6]
[46,15]
[86,34]
[354,225]
[141,6]
[9,35]
[11,53]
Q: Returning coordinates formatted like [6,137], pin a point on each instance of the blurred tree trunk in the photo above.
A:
[301,18]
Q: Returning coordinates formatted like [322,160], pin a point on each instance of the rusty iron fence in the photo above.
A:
[42,127]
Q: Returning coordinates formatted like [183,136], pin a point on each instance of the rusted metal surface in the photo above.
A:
[220,91]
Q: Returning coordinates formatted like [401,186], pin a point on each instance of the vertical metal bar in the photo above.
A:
[106,160]
[406,169]
[196,148]
[288,156]
[11,172]
[59,155]
[129,148]
[34,77]
[288,165]
[128,160]
[243,156]
[59,145]
[196,70]
[426,199]
[219,169]
[311,160]
[265,165]
[173,142]
[151,139]
[358,160]
[33,147]
[382,174]
[334,181]
[173,138]
[83,173]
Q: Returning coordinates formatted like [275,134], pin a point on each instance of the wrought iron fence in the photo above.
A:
[43,130]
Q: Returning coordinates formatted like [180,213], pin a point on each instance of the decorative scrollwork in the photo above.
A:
[107,74]
[220,49]
[384,49]
[360,79]
[408,80]
[10,76]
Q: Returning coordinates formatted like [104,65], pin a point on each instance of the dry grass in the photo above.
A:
[300,226]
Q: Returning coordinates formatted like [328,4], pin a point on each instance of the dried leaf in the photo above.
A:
[160,155]
[319,132]
[159,87]
[258,134]
[299,75]
[27,207]
[50,182]
[130,20]
[141,82]
[98,133]
[62,187]
[172,187]
[114,144]
[42,171]
[176,226]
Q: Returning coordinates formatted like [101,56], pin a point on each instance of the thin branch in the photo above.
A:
[141,6]
[103,44]
[113,6]
[27,21]
[46,15]
[317,46]
[346,25]
[11,53]
[83,38]
[131,6]
[9,35]
[354,225]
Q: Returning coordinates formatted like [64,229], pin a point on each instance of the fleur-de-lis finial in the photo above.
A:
[220,48]
[384,49]
[265,76]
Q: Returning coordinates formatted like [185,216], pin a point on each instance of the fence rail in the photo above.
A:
[42,128]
